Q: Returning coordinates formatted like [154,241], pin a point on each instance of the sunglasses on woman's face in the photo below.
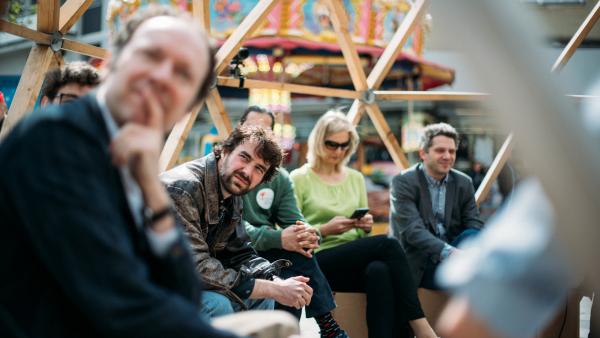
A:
[332,145]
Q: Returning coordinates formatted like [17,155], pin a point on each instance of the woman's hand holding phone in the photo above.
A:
[365,223]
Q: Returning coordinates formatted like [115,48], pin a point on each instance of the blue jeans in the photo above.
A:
[215,304]
[428,280]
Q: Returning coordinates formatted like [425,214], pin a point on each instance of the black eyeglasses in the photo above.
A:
[66,97]
[332,145]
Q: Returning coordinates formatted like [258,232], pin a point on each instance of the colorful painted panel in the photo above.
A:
[372,22]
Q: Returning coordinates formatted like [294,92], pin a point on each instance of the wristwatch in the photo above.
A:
[151,216]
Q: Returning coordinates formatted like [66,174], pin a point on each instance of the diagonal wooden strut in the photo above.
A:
[577,39]
[176,139]
[339,19]
[390,54]
[28,89]
[387,136]
[494,170]
[70,12]
[246,28]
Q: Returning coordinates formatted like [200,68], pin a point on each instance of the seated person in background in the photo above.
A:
[68,82]
[273,204]
[207,193]
[432,205]
[328,192]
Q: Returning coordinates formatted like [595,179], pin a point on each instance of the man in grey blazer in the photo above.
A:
[432,205]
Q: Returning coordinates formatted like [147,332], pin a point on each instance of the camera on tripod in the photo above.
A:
[235,65]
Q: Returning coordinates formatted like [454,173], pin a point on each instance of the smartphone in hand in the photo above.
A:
[359,213]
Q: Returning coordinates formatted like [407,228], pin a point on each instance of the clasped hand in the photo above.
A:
[300,238]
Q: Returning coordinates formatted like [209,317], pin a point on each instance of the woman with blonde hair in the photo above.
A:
[327,193]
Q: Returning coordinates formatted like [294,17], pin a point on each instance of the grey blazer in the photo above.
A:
[412,220]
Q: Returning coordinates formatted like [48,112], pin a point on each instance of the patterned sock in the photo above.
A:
[329,327]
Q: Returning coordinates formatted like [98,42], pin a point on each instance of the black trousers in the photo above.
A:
[378,267]
[322,300]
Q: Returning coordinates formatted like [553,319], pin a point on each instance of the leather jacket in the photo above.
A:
[226,259]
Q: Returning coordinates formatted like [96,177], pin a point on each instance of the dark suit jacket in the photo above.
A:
[72,261]
[412,220]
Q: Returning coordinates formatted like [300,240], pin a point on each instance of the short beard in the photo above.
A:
[227,183]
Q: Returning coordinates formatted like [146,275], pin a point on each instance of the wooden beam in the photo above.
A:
[28,89]
[290,87]
[386,134]
[201,11]
[355,112]
[217,112]
[25,33]
[339,18]
[388,95]
[578,38]
[70,12]
[176,140]
[48,16]
[250,23]
[84,48]
[390,54]
[494,170]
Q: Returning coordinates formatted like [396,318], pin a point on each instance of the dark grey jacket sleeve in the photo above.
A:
[406,222]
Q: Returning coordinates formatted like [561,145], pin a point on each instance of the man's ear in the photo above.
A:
[44,101]
[422,154]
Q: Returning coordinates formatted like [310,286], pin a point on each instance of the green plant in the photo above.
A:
[15,10]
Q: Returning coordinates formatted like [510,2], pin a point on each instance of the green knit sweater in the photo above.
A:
[320,201]
[270,205]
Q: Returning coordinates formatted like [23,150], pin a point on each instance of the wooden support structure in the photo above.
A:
[52,22]
[290,87]
[48,15]
[70,12]
[53,18]
[355,112]
[217,112]
[84,48]
[176,139]
[29,86]
[24,32]
[494,170]
[246,28]
[386,134]
[339,19]
[390,54]
[565,56]
[201,11]
[215,106]
[401,95]
[578,38]
[174,142]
